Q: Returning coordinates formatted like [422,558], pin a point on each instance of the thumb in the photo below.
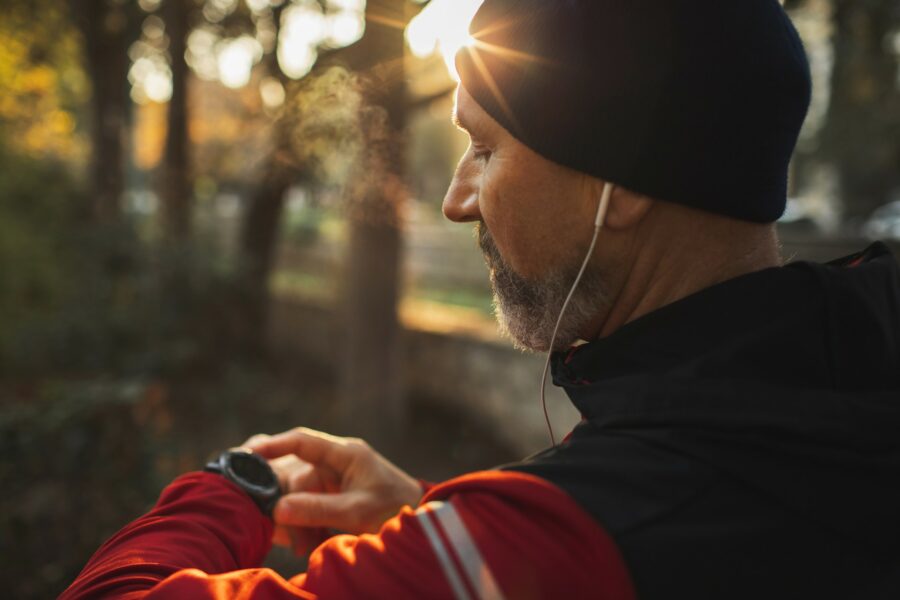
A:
[310,509]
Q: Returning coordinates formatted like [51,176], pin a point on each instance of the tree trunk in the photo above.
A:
[103,25]
[371,394]
[260,227]
[371,398]
[862,133]
[259,234]
[176,185]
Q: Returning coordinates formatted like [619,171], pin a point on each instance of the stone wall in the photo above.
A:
[471,370]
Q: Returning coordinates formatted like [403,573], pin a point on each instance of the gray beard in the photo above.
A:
[527,309]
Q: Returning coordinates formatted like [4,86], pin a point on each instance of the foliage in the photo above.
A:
[84,456]
[67,448]
[41,83]
[38,204]
[78,297]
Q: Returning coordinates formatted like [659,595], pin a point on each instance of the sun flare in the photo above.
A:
[443,26]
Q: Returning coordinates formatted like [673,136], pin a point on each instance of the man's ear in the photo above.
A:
[626,209]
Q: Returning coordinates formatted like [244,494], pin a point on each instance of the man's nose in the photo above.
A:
[461,202]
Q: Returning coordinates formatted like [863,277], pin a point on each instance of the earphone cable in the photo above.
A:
[598,225]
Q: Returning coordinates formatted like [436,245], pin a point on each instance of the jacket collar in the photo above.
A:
[769,306]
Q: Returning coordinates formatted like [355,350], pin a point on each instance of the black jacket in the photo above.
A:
[745,442]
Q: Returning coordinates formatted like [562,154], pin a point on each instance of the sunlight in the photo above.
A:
[257,6]
[296,57]
[201,53]
[236,60]
[305,23]
[357,6]
[444,26]
[151,80]
[495,89]
[346,27]
[306,28]
[272,92]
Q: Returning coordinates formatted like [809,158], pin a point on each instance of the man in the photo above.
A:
[741,418]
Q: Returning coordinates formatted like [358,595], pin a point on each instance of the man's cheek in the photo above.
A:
[504,217]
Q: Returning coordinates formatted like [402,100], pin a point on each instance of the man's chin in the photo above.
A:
[527,315]
[519,342]
[527,310]
[528,332]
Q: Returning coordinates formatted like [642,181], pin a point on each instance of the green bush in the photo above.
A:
[77,465]
[76,297]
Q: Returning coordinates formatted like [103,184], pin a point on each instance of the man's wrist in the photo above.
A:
[251,474]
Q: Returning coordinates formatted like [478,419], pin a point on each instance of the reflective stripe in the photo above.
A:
[450,571]
[478,572]
[475,571]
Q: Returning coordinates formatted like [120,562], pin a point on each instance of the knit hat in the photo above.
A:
[697,102]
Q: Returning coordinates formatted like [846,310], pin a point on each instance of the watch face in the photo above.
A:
[252,470]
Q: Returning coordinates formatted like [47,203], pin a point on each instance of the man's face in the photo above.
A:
[535,221]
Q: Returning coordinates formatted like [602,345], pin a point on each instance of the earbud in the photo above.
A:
[601,212]
[599,220]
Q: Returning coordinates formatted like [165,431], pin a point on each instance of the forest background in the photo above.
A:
[180,177]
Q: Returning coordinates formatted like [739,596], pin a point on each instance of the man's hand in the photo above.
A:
[337,483]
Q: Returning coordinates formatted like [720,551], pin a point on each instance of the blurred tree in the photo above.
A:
[378,58]
[862,133]
[261,221]
[176,185]
[105,26]
[37,202]
[860,137]
[371,400]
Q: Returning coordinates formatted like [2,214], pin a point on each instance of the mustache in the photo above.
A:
[487,245]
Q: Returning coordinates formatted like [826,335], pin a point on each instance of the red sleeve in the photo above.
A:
[426,486]
[535,539]
[485,535]
[201,520]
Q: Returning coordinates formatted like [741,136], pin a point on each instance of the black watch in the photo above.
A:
[251,473]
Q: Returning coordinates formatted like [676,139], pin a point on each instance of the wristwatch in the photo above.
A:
[251,473]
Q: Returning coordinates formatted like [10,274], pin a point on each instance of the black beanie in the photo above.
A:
[698,102]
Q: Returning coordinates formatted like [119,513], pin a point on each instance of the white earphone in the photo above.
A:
[598,225]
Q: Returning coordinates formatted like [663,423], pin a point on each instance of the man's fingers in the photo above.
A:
[308,509]
[255,441]
[312,446]
[304,480]
[285,467]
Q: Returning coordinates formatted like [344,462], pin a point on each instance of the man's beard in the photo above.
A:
[527,309]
